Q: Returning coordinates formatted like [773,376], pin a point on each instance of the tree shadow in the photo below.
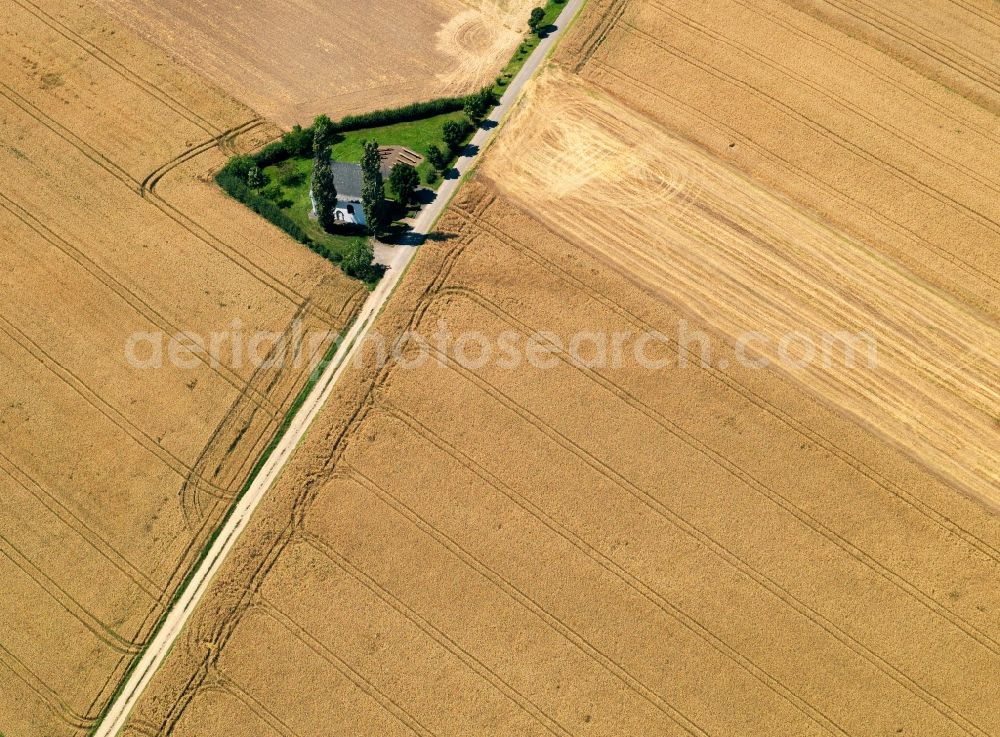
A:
[396,234]
[425,196]
[440,236]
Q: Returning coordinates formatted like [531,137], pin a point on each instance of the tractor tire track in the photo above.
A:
[633,582]
[721,551]
[121,69]
[938,518]
[817,526]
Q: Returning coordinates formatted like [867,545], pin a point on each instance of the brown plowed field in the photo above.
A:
[573,550]
[290,62]
[112,476]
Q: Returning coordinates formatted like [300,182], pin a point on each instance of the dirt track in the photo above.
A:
[716,550]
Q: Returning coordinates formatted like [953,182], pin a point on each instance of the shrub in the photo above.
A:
[357,262]
[272,192]
[437,157]
[299,141]
[454,133]
[240,167]
[535,21]
[403,181]
[478,104]
[416,111]
[289,174]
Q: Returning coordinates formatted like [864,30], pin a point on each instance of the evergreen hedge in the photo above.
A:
[298,142]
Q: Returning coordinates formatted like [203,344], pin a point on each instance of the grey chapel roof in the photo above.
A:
[347,178]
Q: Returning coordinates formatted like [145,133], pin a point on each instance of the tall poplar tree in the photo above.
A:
[324,191]
[372,188]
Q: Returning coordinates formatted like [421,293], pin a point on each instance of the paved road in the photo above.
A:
[397,260]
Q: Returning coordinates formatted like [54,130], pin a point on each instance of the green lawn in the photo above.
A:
[288,181]
[527,47]
[292,178]
[418,135]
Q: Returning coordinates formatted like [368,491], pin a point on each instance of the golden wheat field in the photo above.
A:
[292,62]
[112,475]
[656,535]
[571,550]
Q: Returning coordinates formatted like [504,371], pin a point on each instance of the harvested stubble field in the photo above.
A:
[587,551]
[112,476]
[875,140]
[290,62]
[669,215]
[861,136]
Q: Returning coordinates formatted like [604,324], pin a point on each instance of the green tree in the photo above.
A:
[403,181]
[323,133]
[240,167]
[437,157]
[535,21]
[324,191]
[298,141]
[372,187]
[255,177]
[454,133]
[478,104]
[357,262]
